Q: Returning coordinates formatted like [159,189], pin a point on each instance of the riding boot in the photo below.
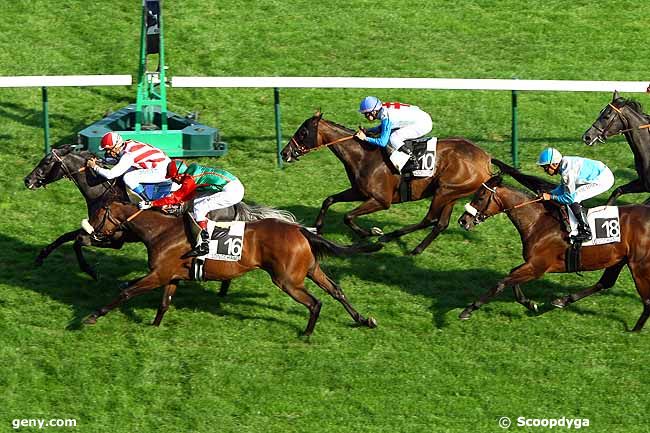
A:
[202,246]
[399,158]
[584,232]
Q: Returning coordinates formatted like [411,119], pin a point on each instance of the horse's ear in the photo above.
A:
[318,113]
[615,96]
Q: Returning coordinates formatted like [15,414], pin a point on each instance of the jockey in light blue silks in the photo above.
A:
[582,179]
[399,122]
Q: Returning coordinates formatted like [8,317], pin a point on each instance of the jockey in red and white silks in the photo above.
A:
[399,122]
[138,162]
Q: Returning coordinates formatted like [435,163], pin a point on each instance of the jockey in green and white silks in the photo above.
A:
[399,122]
[582,178]
[218,189]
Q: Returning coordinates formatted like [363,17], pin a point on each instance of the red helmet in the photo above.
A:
[111,139]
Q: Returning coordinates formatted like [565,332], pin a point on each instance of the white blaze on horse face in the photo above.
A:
[88,228]
[471,209]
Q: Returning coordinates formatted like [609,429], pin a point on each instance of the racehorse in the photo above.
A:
[65,162]
[287,251]
[461,167]
[544,245]
[624,116]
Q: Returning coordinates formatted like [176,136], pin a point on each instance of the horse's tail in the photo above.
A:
[321,246]
[246,212]
[533,183]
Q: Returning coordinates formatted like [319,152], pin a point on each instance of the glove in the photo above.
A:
[144,205]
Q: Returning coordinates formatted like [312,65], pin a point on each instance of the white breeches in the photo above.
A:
[601,184]
[232,194]
[145,175]
[421,127]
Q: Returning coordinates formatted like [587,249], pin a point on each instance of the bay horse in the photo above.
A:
[287,251]
[66,162]
[625,116]
[460,168]
[544,245]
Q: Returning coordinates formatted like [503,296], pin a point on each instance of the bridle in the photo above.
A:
[99,235]
[480,215]
[603,133]
[300,150]
[66,171]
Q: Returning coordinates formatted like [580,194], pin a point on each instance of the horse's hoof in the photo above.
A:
[558,303]
[376,231]
[372,322]
[415,252]
[465,315]
[533,307]
[39,261]
[91,320]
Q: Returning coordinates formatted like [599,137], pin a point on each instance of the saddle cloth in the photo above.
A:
[603,222]
[423,159]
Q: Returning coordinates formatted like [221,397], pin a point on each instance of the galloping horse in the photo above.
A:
[461,167]
[65,162]
[622,116]
[287,251]
[544,245]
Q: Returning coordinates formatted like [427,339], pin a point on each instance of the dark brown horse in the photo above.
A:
[287,251]
[624,116]
[544,245]
[460,168]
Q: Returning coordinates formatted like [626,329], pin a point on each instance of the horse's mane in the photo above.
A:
[338,125]
[634,105]
[533,183]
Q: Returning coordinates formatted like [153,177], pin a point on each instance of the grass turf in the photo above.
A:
[236,364]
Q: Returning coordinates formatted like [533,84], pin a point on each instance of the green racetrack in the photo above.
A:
[237,364]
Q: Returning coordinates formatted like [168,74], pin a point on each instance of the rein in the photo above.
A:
[305,150]
[67,171]
[108,215]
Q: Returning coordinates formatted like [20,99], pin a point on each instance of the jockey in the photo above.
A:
[399,122]
[223,190]
[582,179]
[138,162]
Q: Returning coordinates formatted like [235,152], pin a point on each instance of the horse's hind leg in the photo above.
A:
[443,217]
[143,285]
[606,281]
[299,294]
[326,283]
[168,292]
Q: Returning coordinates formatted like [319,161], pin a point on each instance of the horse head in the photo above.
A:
[61,162]
[484,204]
[615,118]
[303,140]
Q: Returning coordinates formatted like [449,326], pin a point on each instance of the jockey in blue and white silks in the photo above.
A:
[399,122]
[582,178]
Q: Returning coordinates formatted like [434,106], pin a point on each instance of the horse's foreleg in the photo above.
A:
[335,291]
[635,186]
[606,281]
[521,274]
[523,300]
[168,292]
[443,216]
[225,285]
[143,285]
[369,206]
[66,237]
[344,196]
